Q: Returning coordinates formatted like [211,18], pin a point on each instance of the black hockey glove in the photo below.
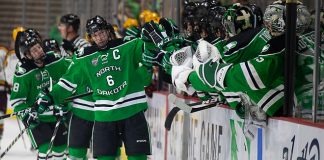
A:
[68,46]
[43,101]
[152,33]
[170,27]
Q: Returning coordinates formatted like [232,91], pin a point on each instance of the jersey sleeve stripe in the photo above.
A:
[256,76]
[16,102]
[271,97]
[65,85]
[248,76]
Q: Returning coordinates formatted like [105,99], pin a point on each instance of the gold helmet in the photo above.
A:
[130,22]
[144,14]
[153,16]
[15,32]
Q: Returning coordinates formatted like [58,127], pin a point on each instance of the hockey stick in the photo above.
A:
[20,129]
[50,146]
[12,143]
[69,99]
[188,108]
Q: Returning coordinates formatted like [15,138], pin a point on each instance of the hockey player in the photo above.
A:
[68,27]
[111,68]
[36,72]
[265,90]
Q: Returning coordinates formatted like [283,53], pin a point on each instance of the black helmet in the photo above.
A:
[71,19]
[98,23]
[50,45]
[28,39]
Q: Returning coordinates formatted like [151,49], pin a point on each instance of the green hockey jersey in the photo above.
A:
[114,77]
[252,77]
[29,80]
[244,46]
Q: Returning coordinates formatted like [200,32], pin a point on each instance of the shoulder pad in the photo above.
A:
[86,51]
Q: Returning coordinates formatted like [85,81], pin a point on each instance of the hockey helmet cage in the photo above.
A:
[303,20]
[274,18]
[237,18]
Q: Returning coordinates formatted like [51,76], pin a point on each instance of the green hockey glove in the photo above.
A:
[29,118]
[44,100]
[153,57]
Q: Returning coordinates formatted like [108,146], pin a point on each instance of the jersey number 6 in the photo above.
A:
[110,80]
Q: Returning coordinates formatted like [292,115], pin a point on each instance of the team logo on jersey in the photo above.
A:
[265,48]
[229,46]
[20,70]
[94,61]
[38,76]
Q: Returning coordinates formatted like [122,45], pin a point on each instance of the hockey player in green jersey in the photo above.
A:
[111,68]
[36,72]
[251,77]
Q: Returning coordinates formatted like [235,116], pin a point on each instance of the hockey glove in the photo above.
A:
[29,118]
[44,100]
[170,27]
[59,111]
[133,32]
[68,46]
[212,73]
[152,33]
[153,57]
[166,63]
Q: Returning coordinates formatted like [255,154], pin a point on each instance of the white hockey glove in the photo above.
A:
[181,61]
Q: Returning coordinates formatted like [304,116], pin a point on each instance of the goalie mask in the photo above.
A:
[237,19]
[274,18]
[303,19]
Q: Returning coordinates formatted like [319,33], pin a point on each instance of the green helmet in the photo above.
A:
[238,18]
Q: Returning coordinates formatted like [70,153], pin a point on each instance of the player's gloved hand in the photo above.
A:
[59,111]
[43,101]
[167,66]
[170,27]
[29,118]
[153,57]
[133,32]
[153,33]
[68,46]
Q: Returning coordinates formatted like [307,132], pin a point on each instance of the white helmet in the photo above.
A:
[274,18]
